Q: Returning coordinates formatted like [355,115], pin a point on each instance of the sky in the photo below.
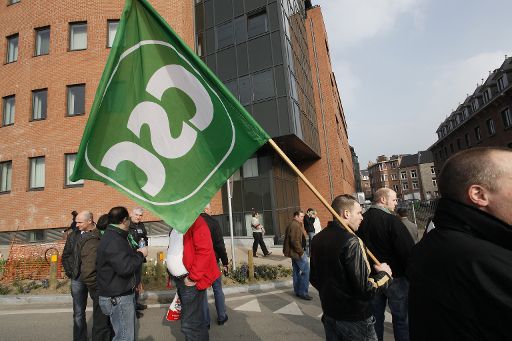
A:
[403,66]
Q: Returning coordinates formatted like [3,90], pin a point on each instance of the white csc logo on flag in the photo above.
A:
[152,114]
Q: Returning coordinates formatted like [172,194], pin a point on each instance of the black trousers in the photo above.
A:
[258,239]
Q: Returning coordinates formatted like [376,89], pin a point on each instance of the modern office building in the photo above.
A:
[484,119]
[273,56]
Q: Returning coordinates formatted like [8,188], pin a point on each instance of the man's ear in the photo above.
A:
[345,214]
[478,195]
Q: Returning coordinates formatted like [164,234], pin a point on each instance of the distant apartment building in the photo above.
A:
[412,177]
[365,184]
[484,119]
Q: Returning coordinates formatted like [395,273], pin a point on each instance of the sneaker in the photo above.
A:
[220,323]
[268,254]
[305,297]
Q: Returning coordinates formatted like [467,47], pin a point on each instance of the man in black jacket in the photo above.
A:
[71,262]
[309,220]
[117,269]
[340,271]
[461,272]
[390,241]
[137,233]
[220,254]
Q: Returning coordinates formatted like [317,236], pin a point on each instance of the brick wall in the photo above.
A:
[59,134]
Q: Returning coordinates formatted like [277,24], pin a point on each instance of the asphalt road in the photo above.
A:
[271,315]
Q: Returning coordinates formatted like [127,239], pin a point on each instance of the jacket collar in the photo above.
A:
[118,230]
[454,215]
[382,208]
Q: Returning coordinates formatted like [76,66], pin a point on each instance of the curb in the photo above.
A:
[165,296]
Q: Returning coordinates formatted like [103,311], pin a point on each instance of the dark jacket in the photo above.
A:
[340,271]
[293,240]
[217,239]
[117,264]
[138,232]
[88,247]
[461,277]
[71,254]
[387,238]
[308,224]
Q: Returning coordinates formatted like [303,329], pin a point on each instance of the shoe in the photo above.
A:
[220,323]
[305,297]
[139,314]
[268,254]
[141,306]
[255,256]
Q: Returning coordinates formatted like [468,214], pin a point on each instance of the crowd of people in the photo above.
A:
[452,285]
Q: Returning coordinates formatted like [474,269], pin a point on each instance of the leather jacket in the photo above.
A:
[341,273]
[71,254]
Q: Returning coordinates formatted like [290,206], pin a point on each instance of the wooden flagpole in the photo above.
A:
[316,193]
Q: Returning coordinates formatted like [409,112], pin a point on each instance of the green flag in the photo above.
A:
[163,129]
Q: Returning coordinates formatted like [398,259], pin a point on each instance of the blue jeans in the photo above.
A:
[300,275]
[121,310]
[310,235]
[220,304]
[193,317]
[336,330]
[79,293]
[396,296]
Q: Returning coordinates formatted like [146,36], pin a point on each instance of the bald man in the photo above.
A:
[390,241]
[461,272]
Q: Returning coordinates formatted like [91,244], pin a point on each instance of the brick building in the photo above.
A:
[384,173]
[484,119]
[273,55]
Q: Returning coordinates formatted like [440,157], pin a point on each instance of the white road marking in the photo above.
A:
[250,306]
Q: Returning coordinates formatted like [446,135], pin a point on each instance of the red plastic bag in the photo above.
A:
[174,311]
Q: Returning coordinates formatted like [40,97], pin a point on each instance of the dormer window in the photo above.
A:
[457,119]
[465,113]
[474,105]
[502,83]
[487,95]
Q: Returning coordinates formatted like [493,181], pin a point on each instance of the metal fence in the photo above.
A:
[420,212]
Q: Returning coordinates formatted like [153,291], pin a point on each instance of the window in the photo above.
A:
[5,176]
[394,164]
[200,44]
[9,109]
[257,23]
[12,48]
[78,36]
[432,170]
[487,95]
[436,194]
[39,101]
[395,188]
[263,85]
[394,176]
[76,99]
[491,129]
[224,34]
[478,136]
[413,173]
[70,164]
[434,182]
[245,88]
[405,185]
[42,41]
[507,118]
[403,175]
[35,236]
[465,113]
[112,30]
[415,185]
[37,173]
[250,168]
[383,177]
[12,2]
[474,105]
[468,140]
[502,83]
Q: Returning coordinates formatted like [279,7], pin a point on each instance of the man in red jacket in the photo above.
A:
[199,260]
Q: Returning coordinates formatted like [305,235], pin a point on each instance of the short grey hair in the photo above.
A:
[87,215]
[138,210]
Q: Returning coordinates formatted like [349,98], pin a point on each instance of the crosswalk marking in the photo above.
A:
[250,306]
[290,309]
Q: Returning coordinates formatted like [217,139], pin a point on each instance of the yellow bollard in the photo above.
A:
[160,257]
[53,272]
[250,265]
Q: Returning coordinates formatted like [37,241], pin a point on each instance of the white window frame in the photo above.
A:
[414,174]
[405,185]
[403,175]
[415,185]
[434,182]
[37,173]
